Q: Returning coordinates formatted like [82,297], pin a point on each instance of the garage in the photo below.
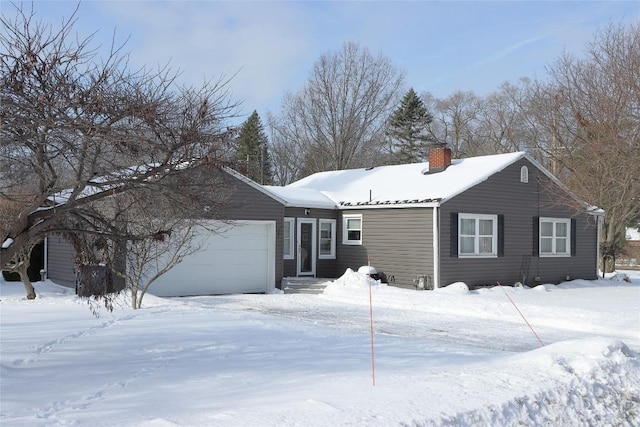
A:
[241,259]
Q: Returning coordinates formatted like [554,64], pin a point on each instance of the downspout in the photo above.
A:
[436,249]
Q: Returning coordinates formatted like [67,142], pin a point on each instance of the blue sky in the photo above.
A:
[270,47]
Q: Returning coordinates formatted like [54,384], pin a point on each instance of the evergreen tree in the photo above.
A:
[252,152]
[407,129]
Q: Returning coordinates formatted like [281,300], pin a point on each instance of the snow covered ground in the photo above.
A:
[444,358]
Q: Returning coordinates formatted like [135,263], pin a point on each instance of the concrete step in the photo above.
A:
[304,285]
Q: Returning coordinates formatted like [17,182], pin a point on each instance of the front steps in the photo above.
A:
[304,285]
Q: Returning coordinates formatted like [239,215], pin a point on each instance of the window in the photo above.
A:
[524,174]
[478,235]
[327,238]
[555,237]
[352,229]
[288,238]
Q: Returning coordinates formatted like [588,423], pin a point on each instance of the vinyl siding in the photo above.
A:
[248,203]
[242,202]
[397,242]
[519,203]
[60,261]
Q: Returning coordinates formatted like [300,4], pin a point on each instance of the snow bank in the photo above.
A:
[459,288]
[579,383]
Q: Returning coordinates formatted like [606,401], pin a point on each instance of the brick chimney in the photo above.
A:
[439,159]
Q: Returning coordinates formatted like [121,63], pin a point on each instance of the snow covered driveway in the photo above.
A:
[482,319]
[445,358]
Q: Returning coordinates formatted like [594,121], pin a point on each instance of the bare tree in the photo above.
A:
[148,259]
[9,210]
[455,121]
[285,169]
[337,120]
[76,130]
[182,232]
[593,119]
[503,122]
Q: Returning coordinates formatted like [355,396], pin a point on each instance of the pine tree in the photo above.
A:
[407,128]
[252,152]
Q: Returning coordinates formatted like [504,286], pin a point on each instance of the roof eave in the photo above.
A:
[590,209]
[254,185]
[390,205]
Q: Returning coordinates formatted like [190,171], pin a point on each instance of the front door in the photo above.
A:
[306,247]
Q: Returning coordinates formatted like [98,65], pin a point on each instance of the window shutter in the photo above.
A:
[536,236]
[573,237]
[453,237]
[500,235]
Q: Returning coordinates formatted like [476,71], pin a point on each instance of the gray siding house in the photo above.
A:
[245,256]
[481,220]
[500,218]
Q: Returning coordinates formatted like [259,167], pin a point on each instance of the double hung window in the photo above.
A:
[478,235]
[352,230]
[555,237]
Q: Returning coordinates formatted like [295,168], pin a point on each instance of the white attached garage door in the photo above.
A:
[240,260]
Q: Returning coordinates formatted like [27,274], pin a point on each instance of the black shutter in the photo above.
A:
[573,237]
[500,235]
[453,237]
[536,236]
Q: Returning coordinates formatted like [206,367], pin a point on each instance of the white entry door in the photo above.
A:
[306,247]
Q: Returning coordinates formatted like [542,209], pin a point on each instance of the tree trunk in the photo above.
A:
[607,264]
[31,293]
[134,298]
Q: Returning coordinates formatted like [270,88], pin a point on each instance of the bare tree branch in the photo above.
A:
[76,129]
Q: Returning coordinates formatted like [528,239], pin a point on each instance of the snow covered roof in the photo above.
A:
[396,185]
[302,197]
[101,183]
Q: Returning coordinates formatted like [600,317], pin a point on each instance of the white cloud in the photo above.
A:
[261,45]
[442,46]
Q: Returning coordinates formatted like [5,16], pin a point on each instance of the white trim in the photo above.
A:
[436,250]
[332,223]
[388,206]
[345,231]
[313,253]
[554,253]
[292,240]
[494,237]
